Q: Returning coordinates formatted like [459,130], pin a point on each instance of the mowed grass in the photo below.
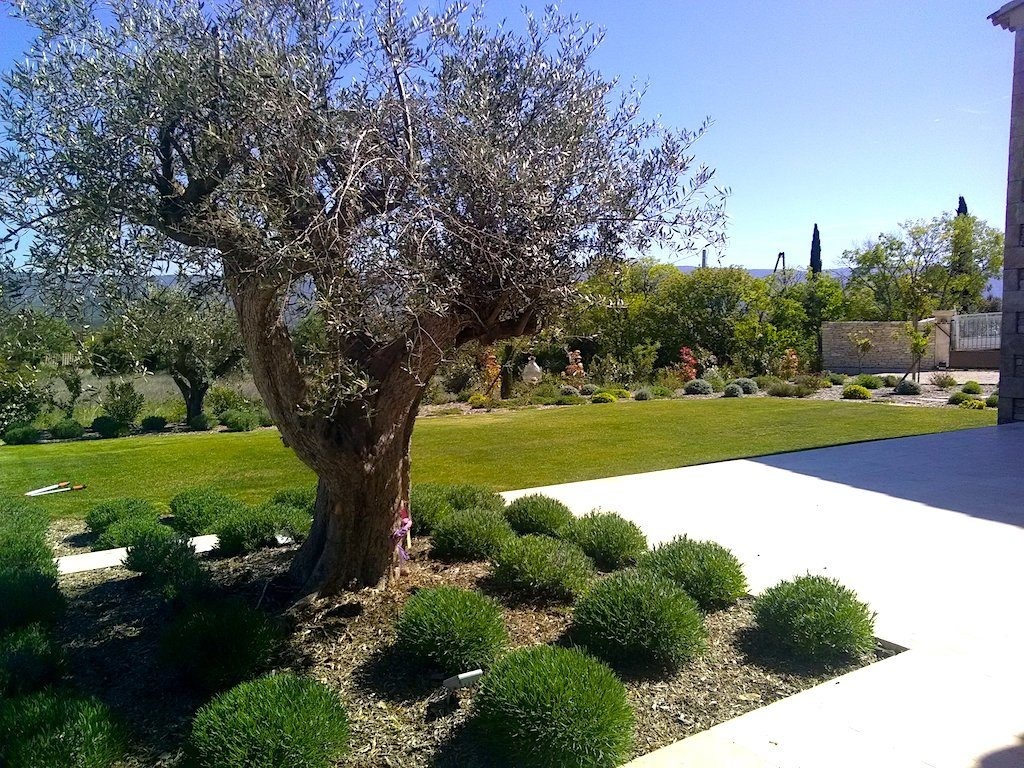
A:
[503,450]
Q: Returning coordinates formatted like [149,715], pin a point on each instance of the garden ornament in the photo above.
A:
[532,372]
[401,536]
[55,488]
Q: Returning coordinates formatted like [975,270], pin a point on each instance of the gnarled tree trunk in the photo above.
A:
[193,394]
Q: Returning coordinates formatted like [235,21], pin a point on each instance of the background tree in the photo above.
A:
[427,181]
[908,274]
[815,252]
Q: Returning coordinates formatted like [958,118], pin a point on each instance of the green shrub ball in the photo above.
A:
[108,427]
[129,530]
[247,529]
[197,510]
[608,539]
[748,386]
[58,729]
[971,388]
[22,434]
[707,572]
[277,720]
[153,424]
[698,387]
[216,644]
[856,392]
[29,660]
[553,708]
[451,630]
[868,381]
[992,401]
[542,567]
[428,505]
[537,513]
[959,398]
[602,397]
[68,429]
[815,619]
[29,596]
[470,534]
[171,565]
[638,619]
[908,387]
[103,515]
[732,390]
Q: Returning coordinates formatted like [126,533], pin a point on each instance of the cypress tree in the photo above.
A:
[816,252]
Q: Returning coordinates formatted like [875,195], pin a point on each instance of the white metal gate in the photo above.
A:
[972,332]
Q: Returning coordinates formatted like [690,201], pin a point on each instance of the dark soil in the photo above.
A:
[398,716]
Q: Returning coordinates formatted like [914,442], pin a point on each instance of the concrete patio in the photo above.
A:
[929,530]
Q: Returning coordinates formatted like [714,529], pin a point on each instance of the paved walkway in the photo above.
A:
[929,530]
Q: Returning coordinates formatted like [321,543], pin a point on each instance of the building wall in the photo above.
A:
[890,348]
[1011,369]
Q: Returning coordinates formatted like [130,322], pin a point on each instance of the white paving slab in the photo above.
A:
[108,558]
[929,530]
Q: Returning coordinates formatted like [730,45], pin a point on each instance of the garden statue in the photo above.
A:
[532,372]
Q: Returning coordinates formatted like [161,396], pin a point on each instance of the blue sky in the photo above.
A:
[856,115]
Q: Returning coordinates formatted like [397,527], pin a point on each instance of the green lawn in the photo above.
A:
[504,450]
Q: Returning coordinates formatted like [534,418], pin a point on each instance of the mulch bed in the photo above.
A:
[398,717]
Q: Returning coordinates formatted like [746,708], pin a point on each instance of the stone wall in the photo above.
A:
[890,348]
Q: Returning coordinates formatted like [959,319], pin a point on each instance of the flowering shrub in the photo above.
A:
[790,364]
[687,364]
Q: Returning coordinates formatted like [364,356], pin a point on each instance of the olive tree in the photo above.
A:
[419,180]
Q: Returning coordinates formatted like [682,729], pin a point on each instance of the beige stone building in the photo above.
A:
[1011,369]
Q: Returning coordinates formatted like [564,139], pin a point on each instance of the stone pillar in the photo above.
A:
[943,335]
[1011,366]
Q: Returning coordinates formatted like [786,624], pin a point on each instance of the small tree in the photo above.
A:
[862,343]
[815,252]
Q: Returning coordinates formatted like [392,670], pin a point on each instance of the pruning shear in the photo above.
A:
[55,488]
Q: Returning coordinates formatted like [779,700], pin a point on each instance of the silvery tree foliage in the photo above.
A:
[420,180]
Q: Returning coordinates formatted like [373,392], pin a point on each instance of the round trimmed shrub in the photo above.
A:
[202,422]
[247,529]
[889,380]
[608,539]
[470,534]
[23,538]
[29,660]
[569,391]
[153,424]
[303,498]
[217,644]
[973,405]
[479,401]
[170,564]
[603,397]
[451,630]
[708,572]
[960,397]
[22,434]
[276,720]
[992,401]
[856,392]
[104,515]
[428,505]
[538,513]
[589,390]
[638,619]
[786,389]
[58,729]
[542,567]
[239,421]
[29,596]
[469,496]
[660,391]
[553,708]
[868,381]
[67,429]
[971,388]
[642,394]
[816,619]
[732,390]
[908,387]
[619,393]
[128,530]
[108,427]
[698,387]
[197,510]
[837,379]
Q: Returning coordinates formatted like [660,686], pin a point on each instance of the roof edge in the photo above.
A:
[1010,16]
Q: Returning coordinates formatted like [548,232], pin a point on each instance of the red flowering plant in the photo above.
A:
[687,366]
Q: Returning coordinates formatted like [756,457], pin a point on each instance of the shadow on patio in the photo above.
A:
[978,472]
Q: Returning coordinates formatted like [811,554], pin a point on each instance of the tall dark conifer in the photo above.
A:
[816,252]
[961,207]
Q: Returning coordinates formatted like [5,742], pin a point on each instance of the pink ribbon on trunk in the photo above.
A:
[400,532]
